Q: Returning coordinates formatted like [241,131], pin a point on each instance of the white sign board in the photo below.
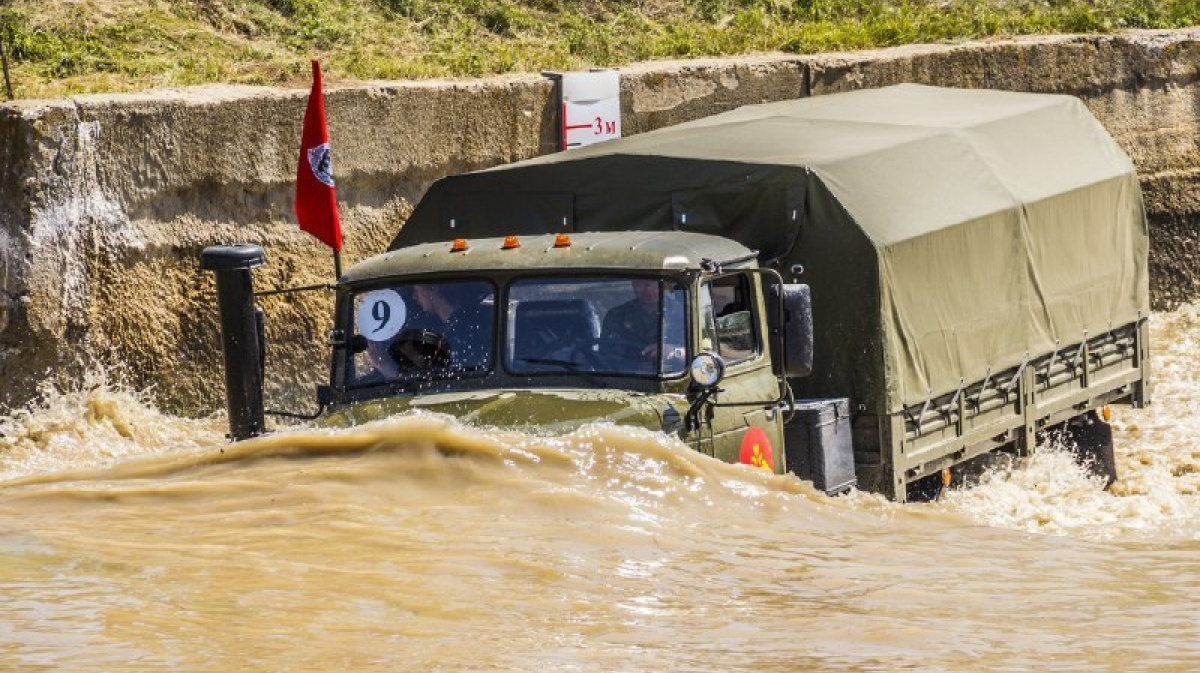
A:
[591,107]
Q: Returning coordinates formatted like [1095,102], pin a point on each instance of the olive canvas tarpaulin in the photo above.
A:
[947,234]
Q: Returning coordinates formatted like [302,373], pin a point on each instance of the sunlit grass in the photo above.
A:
[62,47]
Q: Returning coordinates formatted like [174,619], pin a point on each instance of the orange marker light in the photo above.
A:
[1106,413]
[510,242]
[562,241]
[459,245]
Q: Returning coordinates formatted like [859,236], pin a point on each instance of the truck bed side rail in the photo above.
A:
[1005,408]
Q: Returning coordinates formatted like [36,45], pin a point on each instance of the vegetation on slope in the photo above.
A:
[61,47]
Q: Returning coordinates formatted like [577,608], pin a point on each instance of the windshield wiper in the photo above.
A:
[569,365]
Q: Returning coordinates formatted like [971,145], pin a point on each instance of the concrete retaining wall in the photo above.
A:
[106,201]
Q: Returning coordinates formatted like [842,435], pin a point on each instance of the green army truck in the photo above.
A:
[871,287]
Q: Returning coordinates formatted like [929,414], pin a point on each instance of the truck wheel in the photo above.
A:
[925,489]
[1092,441]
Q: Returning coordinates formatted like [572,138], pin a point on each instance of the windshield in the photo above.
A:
[621,326]
[596,325]
[422,331]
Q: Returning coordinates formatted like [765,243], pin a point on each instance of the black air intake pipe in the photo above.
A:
[241,334]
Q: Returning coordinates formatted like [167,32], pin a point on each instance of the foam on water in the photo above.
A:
[1158,462]
[93,425]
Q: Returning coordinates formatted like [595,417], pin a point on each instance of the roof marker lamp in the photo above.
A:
[459,245]
[510,242]
[562,241]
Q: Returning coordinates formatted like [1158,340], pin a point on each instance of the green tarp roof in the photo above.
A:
[978,151]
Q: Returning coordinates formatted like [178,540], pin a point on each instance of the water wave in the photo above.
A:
[102,431]
[94,424]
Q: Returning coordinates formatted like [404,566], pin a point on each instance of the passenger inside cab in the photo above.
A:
[638,328]
[608,325]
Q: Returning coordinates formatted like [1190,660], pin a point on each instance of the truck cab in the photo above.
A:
[669,331]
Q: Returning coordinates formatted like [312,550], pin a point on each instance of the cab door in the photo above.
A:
[744,425]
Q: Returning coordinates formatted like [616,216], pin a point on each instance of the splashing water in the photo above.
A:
[93,425]
[1156,498]
[1158,462]
[134,540]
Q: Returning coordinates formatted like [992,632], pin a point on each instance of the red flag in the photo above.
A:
[316,198]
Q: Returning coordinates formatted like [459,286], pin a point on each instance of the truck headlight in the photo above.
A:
[707,369]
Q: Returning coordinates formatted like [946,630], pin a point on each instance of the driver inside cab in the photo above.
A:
[633,328]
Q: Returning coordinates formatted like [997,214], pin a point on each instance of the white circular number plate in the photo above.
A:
[381,314]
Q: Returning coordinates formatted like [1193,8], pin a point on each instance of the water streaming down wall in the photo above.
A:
[105,201]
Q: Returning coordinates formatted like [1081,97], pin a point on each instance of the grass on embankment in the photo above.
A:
[62,47]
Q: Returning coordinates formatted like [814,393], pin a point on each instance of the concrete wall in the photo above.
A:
[106,201]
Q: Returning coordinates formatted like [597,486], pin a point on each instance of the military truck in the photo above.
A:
[871,287]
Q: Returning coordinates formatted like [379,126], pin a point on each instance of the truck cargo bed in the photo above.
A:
[1005,409]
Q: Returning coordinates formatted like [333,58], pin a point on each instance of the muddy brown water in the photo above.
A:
[135,541]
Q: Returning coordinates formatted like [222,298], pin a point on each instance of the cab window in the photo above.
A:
[727,318]
[611,325]
[422,331]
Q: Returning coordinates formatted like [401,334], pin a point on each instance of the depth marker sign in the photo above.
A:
[590,107]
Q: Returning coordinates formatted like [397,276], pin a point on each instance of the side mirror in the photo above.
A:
[797,329]
[707,370]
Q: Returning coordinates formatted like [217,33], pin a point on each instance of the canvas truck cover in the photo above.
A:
[947,234]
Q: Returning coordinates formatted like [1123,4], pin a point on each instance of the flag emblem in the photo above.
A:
[319,160]
[316,197]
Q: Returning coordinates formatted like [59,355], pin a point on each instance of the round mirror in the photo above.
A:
[707,369]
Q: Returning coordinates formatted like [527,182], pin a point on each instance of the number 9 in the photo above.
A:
[381,311]
[381,314]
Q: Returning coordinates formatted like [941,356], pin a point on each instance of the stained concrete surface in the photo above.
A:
[107,200]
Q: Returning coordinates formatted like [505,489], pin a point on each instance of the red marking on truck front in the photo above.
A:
[756,450]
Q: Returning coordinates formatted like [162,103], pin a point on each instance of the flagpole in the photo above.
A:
[337,264]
